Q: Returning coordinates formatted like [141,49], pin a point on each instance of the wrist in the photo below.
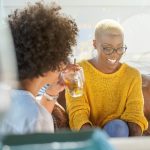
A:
[51,97]
[52,90]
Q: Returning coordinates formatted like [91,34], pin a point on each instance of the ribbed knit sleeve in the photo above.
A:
[79,111]
[135,104]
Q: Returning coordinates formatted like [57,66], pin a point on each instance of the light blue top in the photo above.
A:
[26,115]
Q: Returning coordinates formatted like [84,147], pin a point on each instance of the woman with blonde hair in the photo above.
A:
[112,97]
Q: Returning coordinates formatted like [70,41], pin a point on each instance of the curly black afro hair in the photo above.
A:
[43,38]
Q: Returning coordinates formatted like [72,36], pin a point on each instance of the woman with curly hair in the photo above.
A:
[43,39]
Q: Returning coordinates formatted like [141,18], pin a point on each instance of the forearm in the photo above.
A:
[52,92]
[49,105]
[134,129]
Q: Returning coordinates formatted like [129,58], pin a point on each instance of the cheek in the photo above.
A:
[102,56]
[53,77]
[115,56]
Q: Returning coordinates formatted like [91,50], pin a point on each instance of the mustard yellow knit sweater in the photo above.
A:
[107,97]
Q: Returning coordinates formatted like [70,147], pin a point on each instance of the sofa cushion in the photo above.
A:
[146,94]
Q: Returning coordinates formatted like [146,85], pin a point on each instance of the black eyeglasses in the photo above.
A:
[109,50]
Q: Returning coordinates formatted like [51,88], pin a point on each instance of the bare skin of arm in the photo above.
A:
[86,126]
[54,90]
[49,105]
[134,129]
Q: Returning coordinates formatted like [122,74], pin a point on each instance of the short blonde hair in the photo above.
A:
[108,26]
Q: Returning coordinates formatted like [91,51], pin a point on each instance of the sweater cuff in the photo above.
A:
[142,123]
[82,123]
[79,121]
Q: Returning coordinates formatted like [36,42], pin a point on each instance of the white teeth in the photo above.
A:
[112,60]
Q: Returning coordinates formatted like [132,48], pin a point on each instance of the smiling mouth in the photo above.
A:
[112,61]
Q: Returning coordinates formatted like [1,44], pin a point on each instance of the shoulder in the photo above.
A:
[87,66]
[132,71]
[24,103]
[83,63]
[32,116]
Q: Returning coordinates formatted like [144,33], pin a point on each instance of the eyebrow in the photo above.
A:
[111,44]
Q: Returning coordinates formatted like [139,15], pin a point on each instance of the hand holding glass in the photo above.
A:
[74,80]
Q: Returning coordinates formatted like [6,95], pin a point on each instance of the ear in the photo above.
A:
[94,44]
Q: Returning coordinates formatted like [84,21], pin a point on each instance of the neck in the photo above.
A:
[32,86]
[98,64]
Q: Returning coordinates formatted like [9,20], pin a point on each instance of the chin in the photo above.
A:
[113,64]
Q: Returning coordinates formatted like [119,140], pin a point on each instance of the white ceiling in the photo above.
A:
[85,2]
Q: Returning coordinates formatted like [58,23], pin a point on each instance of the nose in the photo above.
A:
[115,55]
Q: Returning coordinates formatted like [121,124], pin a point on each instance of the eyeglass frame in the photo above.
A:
[115,49]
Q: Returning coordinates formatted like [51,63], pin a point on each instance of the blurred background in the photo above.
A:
[133,15]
